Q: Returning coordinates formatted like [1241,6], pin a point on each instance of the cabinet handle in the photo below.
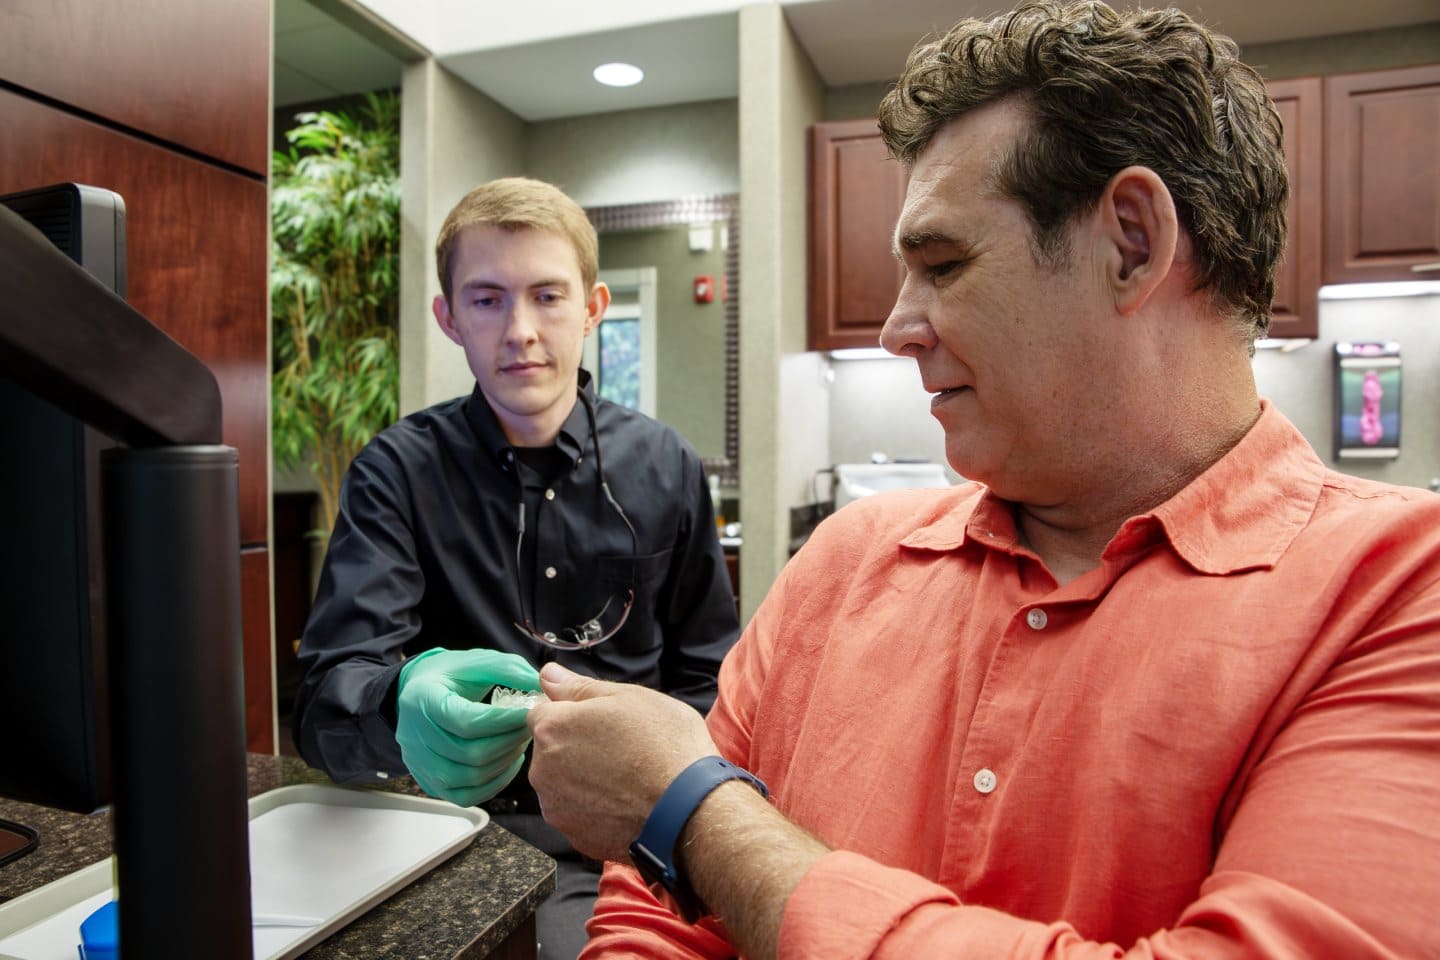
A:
[1425,267]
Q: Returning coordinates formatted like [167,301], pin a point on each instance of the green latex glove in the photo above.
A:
[456,747]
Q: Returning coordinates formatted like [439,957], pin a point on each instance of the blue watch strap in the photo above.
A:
[653,852]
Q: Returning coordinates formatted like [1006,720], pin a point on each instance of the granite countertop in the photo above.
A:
[462,909]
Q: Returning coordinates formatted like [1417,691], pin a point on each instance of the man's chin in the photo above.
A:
[524,400]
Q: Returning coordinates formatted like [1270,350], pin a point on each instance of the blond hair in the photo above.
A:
[518,203]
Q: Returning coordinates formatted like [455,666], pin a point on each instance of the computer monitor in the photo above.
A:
[53,685]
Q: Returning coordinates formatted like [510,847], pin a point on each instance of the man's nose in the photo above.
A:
[907,331]
[520,325]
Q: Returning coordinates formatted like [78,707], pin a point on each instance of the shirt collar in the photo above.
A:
[1245,511]
[1240,514]
[572,438]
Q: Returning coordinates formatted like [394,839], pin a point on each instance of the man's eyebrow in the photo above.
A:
[483,284]
[916,239]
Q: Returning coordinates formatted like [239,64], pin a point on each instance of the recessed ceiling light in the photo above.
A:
[619,74]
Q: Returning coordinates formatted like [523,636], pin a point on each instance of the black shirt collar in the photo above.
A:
[572,438]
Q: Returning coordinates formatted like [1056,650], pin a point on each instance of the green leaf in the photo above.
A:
[334,281]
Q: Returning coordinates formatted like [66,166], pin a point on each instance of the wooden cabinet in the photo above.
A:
[1296,308]
[196,75]
[1362,151]
[856,192]
[166,102]
[1382,184]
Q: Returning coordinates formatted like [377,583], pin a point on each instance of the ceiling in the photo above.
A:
[535,58]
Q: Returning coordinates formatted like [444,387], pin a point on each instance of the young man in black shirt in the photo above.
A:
[487,535]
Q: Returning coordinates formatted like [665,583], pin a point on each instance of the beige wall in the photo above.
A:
[784,433]
[639,156]
[855,101]
[690,336]
[452,137]
[646,156]
[1351,53]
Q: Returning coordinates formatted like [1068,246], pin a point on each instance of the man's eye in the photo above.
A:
[485,301]
[549,297]
[943,268]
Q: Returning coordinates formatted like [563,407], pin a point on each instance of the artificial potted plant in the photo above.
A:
[334,283]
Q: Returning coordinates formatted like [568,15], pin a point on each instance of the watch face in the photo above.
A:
[651,867]
[663,884]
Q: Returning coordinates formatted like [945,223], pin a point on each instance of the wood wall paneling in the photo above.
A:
[194,74]
[259,667]
[196,259]
[293,517]
[1296,308]
[196,267]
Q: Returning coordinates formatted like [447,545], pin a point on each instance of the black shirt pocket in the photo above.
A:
[645,573]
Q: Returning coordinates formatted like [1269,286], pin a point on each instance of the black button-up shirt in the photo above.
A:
[423,554]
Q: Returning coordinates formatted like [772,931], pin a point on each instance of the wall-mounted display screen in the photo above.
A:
[1367,401]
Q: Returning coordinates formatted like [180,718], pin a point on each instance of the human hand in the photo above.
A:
[604,752]
[456,747]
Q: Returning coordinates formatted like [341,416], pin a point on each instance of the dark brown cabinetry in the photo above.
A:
[1295,310]
[166,102]
[856,191]
[1382,186]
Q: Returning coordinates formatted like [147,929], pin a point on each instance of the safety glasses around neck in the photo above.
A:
[616,610]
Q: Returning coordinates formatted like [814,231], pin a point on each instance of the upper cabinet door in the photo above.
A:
[1382,189]
[194,75]
[1295,311]
[856,192]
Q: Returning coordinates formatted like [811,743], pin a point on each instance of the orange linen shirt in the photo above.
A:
[1222,742]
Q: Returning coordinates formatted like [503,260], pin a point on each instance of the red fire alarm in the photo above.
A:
[704,288]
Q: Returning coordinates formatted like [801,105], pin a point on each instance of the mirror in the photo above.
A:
[654,255]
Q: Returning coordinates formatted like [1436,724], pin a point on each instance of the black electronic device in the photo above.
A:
[120,582]
[54,699]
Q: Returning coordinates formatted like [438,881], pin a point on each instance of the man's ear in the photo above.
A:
[1141,231]
[595,308]
[441,308]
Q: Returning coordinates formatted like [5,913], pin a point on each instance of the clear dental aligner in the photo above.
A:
[519,699]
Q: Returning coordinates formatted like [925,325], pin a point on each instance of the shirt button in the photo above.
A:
[549,494]
[549,573]
[985,780]
[1037,619]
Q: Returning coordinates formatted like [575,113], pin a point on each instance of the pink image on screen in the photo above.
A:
[1371,391]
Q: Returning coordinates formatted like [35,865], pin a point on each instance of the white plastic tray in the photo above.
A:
[317,853]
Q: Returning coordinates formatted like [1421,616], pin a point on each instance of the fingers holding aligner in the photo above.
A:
[604,752]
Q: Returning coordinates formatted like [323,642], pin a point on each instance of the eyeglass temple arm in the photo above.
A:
[519,590]
[600,472]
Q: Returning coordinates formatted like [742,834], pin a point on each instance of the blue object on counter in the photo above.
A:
[100,934]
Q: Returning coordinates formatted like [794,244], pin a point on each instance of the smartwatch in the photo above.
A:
[654,851]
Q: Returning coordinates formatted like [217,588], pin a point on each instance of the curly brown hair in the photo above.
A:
[1105,91]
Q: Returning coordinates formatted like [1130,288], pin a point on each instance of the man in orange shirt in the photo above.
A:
[1159,684]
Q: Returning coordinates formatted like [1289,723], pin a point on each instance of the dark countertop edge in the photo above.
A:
[463,907]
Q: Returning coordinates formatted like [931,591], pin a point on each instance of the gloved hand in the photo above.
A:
[456,747]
